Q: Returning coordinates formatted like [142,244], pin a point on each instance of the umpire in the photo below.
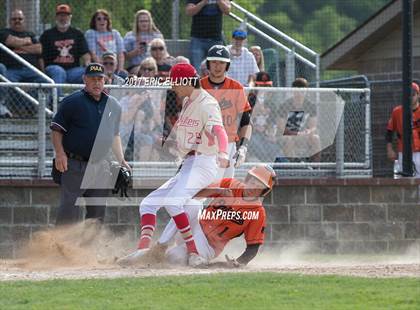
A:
[74,130]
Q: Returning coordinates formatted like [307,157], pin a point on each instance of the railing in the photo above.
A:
[343,116]
[292,51]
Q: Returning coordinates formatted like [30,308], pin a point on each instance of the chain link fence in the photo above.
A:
[305,132]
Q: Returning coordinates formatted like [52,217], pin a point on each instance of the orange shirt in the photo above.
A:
[232,101]
[395,123]
[245,218]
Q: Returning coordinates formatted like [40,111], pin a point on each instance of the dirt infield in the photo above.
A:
[85,251]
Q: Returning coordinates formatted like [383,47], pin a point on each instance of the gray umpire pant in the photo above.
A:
[70,190]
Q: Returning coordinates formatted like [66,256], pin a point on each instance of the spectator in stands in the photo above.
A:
[137,41]
[297,124]
[25,45]
[395,124]
[206,27]
[4,111]
[163,60]
[243,64]
[259,56]
[109,60]
[102,38]
[264,145]
[62,48]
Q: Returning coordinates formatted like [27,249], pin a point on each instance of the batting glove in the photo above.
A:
[240,156]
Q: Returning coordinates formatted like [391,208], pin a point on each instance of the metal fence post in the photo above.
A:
[317,70]
[290,68]
[175,19]
[339,148]
[368,146]
[42,98]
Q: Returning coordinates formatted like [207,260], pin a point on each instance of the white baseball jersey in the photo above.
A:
[195,118]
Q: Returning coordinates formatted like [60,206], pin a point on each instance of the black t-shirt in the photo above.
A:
[79,118]
[9,61]
[63,48]
[208,22]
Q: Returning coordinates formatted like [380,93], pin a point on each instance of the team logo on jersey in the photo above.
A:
[188,122]
[225,104]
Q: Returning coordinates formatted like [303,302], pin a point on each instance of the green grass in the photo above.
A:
[221,291]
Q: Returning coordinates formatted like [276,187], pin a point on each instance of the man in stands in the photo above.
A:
[62,48]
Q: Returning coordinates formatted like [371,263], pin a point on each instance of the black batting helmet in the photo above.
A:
[220,53]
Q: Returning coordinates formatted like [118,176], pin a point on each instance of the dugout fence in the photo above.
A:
[342,135]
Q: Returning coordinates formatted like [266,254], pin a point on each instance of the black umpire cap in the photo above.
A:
[95,69]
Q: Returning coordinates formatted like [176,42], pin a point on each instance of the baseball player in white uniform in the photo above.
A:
[201,141]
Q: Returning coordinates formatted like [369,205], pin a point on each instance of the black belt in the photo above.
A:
[193,153]
[76,157]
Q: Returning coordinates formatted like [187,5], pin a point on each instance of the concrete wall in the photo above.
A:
[328,216]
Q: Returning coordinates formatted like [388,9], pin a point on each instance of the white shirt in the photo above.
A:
[241,67]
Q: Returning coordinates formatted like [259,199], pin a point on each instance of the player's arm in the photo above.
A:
[249,254]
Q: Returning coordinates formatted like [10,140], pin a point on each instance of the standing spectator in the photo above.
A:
[206,27]
[62,48]
[243,64]
[137,41]
[163,60]
[259,56]
[75,128]
[24,44]
[236,111]
[395,124]
[102,38]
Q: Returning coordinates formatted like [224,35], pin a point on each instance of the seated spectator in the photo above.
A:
[181,60]
[109,60]
[137,41]
[259,58]
[24,44]
[102,38]
[242,64]
[4,111]
[297,124]
[62,48]
[163,60]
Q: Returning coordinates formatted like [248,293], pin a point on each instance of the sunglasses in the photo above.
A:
[157,48]
[16,18]
[101,18]
[148,69]
[109,63]
[144,21]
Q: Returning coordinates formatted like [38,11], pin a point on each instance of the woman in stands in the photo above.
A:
[259,58]
[137,41]
[160,53]
[102,38]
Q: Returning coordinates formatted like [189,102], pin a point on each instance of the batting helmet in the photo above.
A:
[220,53]
[265,174]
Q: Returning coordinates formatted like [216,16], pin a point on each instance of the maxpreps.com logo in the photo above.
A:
[225,213]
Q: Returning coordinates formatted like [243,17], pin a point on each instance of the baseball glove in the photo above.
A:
[123,179]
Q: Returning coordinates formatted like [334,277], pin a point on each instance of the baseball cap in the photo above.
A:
[109,55]
[181,71]
[263,79]
[415,87]
[239,34]
[63,8]
[95,69]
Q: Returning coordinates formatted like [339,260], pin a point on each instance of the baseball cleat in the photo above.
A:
[196,261]
[132,258]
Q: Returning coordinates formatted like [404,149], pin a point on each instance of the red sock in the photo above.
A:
[183,225]
[147,224]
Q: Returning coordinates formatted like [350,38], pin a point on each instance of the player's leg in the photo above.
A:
[148,209]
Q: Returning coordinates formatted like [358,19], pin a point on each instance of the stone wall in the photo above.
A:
[326,215]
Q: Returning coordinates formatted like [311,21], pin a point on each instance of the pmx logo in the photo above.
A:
[96,68]
[188,122]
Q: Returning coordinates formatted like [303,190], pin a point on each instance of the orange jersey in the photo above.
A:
[395,123]
[232,101]
[240,217]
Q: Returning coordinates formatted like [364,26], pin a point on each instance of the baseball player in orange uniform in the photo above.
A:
[201,141]
[236,209]
[395,124]
[234,106]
